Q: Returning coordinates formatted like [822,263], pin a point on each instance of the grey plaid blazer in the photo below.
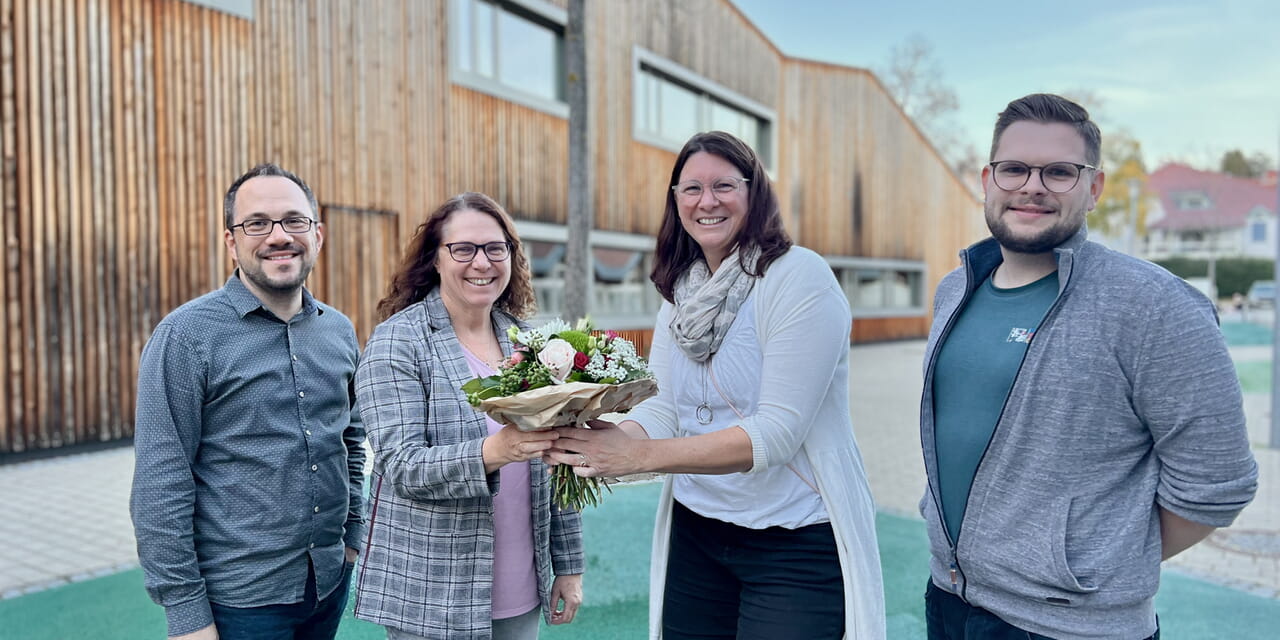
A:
[427,567]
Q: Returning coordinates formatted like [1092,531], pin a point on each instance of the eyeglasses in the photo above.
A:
[264,226]
[466,251]
[691,190]
[1057,177]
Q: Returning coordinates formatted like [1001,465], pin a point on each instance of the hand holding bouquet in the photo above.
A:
[561,375]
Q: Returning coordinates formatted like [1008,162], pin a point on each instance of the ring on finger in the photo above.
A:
[582,459]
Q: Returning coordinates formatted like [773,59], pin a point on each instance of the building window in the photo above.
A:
[881,288]
[620,296]
[1191,201]
[672,103]
[513,49]
[1258,231]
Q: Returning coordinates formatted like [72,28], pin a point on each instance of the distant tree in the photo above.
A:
[1235,163]
[914,80]
[1122,162]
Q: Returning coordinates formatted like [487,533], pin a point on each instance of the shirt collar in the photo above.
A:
[244,302]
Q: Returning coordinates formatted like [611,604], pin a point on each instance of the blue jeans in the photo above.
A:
[726,582]
[950,618]
[306,620]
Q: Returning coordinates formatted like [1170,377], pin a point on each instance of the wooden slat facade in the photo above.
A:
[123,121]
[117,136]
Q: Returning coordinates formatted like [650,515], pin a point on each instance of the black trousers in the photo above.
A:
[732,583]
[951,618]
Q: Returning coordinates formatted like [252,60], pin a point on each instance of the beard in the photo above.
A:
[1043,241]
[289,284]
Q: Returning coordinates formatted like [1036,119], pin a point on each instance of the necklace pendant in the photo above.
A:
[704,414]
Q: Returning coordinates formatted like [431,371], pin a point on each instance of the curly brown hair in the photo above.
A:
[417,274]
[677,250]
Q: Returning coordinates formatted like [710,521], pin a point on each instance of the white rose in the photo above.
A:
[557,356]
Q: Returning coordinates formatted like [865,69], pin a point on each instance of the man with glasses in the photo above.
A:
[1081,418]
[247,486]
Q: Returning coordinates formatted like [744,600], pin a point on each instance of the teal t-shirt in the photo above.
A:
[976,368]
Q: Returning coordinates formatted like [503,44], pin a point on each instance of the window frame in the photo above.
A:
[884,265]
[529,230]
[536,11]
[708,92]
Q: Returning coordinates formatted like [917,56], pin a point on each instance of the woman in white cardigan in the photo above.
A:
[766,526]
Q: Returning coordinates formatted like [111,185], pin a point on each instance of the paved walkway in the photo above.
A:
[67,518]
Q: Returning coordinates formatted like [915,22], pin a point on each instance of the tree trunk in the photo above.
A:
[577,273]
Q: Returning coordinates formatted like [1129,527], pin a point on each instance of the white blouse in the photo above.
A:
[775,497]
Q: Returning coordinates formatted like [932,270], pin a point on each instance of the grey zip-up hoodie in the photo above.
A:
[1126,399]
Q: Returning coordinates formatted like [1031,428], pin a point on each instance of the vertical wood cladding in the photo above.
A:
[123,121]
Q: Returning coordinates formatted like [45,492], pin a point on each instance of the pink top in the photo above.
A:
[515,580]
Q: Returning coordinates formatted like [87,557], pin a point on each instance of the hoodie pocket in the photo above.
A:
[1068,577]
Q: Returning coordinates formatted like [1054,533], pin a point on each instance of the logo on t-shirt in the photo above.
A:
[1018,334]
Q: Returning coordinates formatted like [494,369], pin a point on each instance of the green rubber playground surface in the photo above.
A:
[616,585]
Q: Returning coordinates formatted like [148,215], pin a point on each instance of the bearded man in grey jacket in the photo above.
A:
[1081,418]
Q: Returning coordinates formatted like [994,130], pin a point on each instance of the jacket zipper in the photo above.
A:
[955,572]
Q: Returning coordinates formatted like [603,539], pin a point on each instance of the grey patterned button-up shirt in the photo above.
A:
[248,455]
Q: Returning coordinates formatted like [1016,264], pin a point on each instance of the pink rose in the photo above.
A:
[557,356]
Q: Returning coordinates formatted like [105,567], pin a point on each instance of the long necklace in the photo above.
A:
[703,413]
[483,355]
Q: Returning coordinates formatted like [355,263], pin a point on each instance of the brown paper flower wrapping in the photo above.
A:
[571,403]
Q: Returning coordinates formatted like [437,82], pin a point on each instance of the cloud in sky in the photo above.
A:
[1189,79]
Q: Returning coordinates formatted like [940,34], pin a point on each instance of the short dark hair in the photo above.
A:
[1049,108]
[677,250]
[417,274]
[264,169]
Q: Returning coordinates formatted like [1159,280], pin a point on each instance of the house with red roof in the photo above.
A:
[1199,214]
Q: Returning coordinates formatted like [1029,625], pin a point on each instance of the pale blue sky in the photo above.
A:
[1189,79]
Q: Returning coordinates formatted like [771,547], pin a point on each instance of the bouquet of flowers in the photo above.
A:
[561,375]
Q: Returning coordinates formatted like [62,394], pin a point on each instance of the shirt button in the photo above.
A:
[314,467]
[302,394]
[295,358]
[308,432]
[311,546]
[317,509]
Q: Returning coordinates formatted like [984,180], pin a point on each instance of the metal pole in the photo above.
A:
[1131,229]
[1275,319]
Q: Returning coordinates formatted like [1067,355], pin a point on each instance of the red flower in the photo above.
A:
[580,360]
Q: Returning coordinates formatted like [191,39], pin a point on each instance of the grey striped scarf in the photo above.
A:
[707,303]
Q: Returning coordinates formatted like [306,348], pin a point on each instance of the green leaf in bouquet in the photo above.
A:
[577,339]
[478,389]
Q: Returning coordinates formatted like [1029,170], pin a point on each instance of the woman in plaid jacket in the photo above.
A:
[464,541]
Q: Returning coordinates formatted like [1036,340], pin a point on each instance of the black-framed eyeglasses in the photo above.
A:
[264,226]
[466,251]
[691,190]
[1057,177]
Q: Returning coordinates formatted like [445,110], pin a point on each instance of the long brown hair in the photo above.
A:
[417,274]
[677,250]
